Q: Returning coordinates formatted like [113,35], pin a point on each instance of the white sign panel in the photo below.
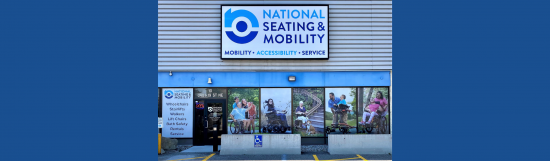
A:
[274,32]
[177,112]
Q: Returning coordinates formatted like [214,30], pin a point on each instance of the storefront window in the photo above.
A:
[276,110]
[341,111]
[374,110]
[243,119]
[308,111]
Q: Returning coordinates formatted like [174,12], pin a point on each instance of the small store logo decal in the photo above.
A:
[168,94]
[257,141]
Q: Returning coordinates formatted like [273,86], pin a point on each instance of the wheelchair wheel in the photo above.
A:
[241,127]
[382,127]
[269,128]
[297,124]
[237,128]
[276,128]
[340,128]
[232,128]
[369,128]
[378,127]
[387,124]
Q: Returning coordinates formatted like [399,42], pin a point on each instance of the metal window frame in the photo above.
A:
[292,99]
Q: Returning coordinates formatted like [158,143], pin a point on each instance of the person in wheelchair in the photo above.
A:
[301,116]
[371,111]
[271,112]
[273,116]
[342,110]
[342,100]
[238,116]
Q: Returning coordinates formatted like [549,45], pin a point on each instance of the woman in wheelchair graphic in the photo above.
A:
[276,119]
[376,113]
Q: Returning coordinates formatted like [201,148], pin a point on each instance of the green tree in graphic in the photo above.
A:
[250,94]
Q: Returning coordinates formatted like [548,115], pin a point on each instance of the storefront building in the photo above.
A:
[313,68]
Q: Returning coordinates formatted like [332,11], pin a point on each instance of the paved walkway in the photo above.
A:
[303,156]
[200,149]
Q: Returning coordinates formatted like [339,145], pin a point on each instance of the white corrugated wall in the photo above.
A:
[189,38]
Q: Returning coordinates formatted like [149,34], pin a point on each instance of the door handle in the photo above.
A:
[206,124]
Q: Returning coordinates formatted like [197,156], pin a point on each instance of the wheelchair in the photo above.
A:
[342,127]
[379,122]
[237,128]
[299,123]
[274,123]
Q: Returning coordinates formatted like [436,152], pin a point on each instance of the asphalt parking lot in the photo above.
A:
[304,156]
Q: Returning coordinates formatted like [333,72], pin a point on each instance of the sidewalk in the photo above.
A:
[319,156]
[309,152]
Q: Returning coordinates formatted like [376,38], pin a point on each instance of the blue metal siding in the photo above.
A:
[273,79]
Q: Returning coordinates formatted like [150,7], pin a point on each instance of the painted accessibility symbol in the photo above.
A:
[258,141]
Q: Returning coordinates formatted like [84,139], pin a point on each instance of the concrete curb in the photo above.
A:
[359,144]
[271,144]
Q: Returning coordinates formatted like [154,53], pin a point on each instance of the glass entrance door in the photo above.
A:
[211,121]
[215,113]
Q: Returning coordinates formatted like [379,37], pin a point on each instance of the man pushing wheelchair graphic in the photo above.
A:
[340,111]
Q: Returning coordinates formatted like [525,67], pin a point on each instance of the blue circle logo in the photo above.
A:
[168,94]
[241,26]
